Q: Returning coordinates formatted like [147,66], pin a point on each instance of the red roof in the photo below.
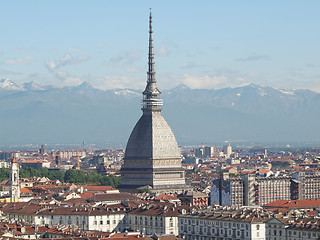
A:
[25,190]
[87,195]
[34,161]
[228,168]
[14,160]
[247,171]
[166,197]
[308,203]
[98,188]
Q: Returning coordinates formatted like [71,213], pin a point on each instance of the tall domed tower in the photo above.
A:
[152,157]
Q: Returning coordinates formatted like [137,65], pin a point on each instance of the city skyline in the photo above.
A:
[208,45]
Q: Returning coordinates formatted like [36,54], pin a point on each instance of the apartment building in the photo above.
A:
[227,191]
[156,218]
[269,189]
[224,223]
[306,185]
[67,154]
[147,218]
[251,190]
[305,228]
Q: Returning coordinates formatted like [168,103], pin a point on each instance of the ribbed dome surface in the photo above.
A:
[152,138]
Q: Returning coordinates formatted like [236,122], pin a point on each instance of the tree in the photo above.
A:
[28,172]
[70,176]
[75,176]
[4,174]
[144,190]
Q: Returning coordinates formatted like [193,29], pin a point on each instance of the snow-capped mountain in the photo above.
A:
[10,85]
[33,86]
[35,114]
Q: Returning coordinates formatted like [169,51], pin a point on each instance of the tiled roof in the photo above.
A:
[97,188]
[308,203]
[25,190]
[112,197]
[21,208]
[84,210]
[160,209]
[86,195]
[166,197]
[249,215]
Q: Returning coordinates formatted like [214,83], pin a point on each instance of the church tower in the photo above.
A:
[152,157]
[14,180]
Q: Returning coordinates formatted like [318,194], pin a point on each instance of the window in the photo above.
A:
[258,226]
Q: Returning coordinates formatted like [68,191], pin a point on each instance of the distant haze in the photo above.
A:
[36,114]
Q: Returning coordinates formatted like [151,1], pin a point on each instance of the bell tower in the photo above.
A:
[14,180]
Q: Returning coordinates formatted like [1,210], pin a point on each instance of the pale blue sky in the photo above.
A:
[203,44]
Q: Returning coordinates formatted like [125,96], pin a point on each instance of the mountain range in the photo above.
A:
[31,113]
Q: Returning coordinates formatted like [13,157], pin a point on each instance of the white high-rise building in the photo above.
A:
[227,150]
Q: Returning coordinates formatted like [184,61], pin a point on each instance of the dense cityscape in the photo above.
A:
[229,194]
[156,189]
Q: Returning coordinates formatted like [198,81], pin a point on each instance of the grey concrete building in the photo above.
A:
[152,157]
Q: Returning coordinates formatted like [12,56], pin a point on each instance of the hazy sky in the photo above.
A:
[203,44]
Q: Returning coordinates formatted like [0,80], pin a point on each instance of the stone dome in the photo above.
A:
[152,138]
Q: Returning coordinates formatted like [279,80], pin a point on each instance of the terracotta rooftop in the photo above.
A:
[243,214]
[289,204]
[25,190]
[97,188]
[112,197]
[166,197]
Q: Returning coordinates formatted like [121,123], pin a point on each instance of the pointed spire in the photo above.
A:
[14,160]
[151,101]
[151,72]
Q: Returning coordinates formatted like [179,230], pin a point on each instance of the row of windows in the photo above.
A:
[95,222]
[216,223]
[195,230]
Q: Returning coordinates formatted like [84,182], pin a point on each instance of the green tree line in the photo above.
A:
[70,176]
